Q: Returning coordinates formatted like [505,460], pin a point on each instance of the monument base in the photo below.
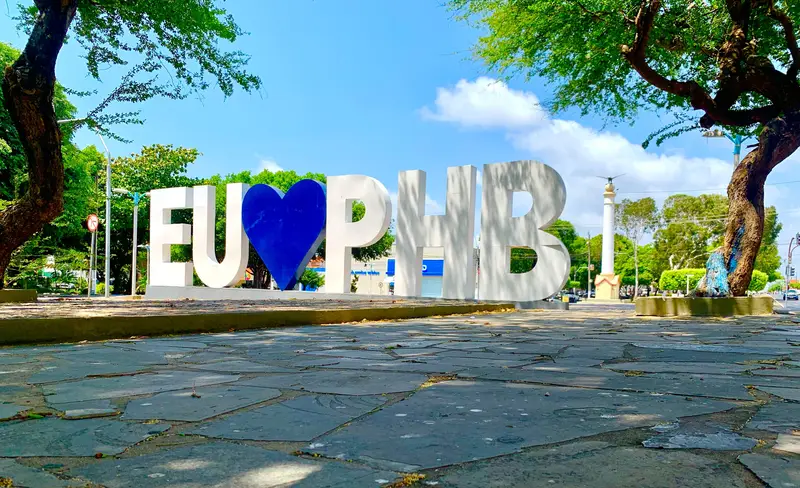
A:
[703,306]
[17,296]
[606,287]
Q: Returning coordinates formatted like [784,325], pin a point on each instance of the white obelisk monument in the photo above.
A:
[607,283]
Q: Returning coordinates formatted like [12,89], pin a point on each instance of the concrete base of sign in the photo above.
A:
[203,293]
[17,296]
[702,306]
[606,286]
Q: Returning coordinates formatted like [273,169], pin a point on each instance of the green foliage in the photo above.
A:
[775,287]
[184,42]
[523,259]
[675,279]
[578,46]
[574,284]
[156,166]
[795,285]
[101,289]
[311,279]
[758,281]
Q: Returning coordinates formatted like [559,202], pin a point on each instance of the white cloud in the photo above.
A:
[486,103]
[268,165]
[577,152]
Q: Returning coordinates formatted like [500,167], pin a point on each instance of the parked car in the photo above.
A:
[791,295]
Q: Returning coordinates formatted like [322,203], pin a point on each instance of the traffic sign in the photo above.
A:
[591,267]
[92,222]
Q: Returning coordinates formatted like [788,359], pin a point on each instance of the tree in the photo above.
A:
[311,280]
[636,218]
[727,63]
[185,36]
[691,227]
[156,166]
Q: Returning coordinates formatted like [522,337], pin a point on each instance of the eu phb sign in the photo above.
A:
[286,229]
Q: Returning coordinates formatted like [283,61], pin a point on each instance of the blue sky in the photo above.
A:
[344,87]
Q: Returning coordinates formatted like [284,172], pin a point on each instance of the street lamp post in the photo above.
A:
[736,139]
[794,243]
[136,196]
[107,288]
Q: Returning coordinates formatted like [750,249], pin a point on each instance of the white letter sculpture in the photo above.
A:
[343,234]
[500,231]
[232,268]
[453,231]
[163,234]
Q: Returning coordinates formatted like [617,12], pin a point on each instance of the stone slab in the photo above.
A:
[791,394]
[90,413]
[125,386]
[679,367]
[228,465]
[17,296]
[460,421]
[55,437]
[787,443]
[675,384]
[352,354]
[407,365]
[775,471]
[238,367]
[698,435]
[212,401]
[700,353]
[27,477]
[780,417]
[342,382]
[300,419]
[593,464]
[9,410]
[703,307]
[55,371]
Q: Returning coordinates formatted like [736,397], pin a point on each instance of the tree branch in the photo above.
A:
[791,38]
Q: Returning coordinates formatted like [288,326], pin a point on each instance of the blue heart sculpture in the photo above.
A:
[287,229]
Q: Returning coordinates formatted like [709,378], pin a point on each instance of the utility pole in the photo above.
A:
[793,244]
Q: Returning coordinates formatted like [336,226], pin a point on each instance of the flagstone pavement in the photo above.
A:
[588,397]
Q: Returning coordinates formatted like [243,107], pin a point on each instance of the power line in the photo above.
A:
[701,190]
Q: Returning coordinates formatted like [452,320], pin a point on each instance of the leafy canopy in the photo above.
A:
[736,60]
[170,48]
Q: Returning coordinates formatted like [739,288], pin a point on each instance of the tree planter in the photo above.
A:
[703,306]
[17,296]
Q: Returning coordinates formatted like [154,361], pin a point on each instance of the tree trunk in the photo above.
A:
[28,87]
[745,226]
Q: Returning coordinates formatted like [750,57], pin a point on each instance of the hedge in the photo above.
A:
[674,280]
[758,281]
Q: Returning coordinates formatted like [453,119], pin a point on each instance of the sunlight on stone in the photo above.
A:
[276,475]
[188,464]
[638,419]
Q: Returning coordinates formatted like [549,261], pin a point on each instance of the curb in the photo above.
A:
[75,329]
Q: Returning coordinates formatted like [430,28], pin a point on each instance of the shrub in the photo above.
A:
[758,281]
[675,279]
[775,287]
[100,289]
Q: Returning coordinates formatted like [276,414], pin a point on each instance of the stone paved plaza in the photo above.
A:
[588,397]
